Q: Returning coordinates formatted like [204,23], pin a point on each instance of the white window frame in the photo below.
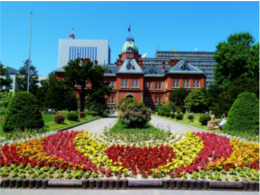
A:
[178,84]
[160,85]
[174,83]
[184,84]
[112,100]
[149,85]
[188,84]
[198,84]
[123,83]
[156,85]
[126,83]
[194,84]
[156,101]
[133,83]
[136,83]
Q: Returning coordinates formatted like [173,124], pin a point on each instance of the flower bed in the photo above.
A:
[79,154]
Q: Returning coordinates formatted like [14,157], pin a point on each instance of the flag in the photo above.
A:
[129,29]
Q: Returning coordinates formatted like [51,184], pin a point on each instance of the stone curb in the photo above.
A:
[167,184]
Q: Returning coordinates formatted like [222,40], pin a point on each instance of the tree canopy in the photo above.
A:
[197,100]
[178,96]
[79,73]
[22,76]
[234,57]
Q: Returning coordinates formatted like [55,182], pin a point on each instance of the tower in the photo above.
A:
[72,36]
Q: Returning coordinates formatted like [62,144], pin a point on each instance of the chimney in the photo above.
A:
[173,62]
[96,62]
[163,66]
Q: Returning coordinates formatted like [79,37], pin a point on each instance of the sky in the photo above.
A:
[184,26]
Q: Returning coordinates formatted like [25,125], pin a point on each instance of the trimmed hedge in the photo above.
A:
[72,116]
[172,115]
[59,118]
[190,117]
[22,112]
[179,116]
[204,119]
[244,114]
[93,113]
[167,114]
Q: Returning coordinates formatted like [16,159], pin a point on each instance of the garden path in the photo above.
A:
[138,191]
[174,126]
[97,125]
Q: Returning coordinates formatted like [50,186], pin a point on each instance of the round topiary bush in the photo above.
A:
[243,115]
[22,112]
[93,113]
[179,116]
[59,118]
[82,114]
[72,116]
[204,119]
[172,115]
[167,114]
[190,117]
[136,114]
[162,113]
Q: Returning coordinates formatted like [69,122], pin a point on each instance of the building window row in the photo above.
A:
[158,86]
[112,84]
[110,100]
[148,100]
[186,84]
[135,84]
[124,83]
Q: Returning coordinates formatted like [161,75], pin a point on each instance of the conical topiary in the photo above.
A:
[22,112]
[244,114]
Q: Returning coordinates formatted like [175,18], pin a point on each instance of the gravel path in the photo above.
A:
[97,125]
[174,126]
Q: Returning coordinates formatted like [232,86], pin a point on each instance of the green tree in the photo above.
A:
[178,96]
[214,91]
[71,101]
[55,95]
[5,99]
[22,76]
[225,100]
[235,57]
[243,115]
[79,73]
[197,100]
[22,112]
[41,94]
[4,72]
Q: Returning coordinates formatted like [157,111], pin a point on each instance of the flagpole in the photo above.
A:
[130,30]
[28,76]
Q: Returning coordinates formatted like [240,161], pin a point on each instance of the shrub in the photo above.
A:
[153,112]
[190,117]
[164,108]
[72,116]
[22,112]
[82,114]
[93,113]
[107,111]
[179,116]
[59,118]
[162,113]
[167,114]
[100,113]
[136,114]
[159,113]
[244,114]
[178,110]
[204,119]
[172,115]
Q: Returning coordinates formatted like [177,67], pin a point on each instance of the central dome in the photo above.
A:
[129,46]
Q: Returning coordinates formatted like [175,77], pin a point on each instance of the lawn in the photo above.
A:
[51,125]
[195,122]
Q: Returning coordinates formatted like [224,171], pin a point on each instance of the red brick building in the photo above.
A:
[150,84]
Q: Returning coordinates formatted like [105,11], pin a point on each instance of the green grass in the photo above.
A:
[121,128]
[51,125]
[195,122]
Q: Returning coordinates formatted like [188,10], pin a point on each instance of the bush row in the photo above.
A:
[71,116]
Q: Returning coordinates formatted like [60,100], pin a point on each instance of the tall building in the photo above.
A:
[201,60]
[12,75]
[130,77]
[70,49]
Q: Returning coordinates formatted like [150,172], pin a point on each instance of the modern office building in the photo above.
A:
[70,49]
[12,75]
[201,60]
[148,83]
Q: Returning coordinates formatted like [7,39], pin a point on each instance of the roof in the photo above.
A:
[129,44]
[130,66]
[185,68]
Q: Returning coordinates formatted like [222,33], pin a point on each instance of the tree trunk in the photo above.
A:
[82,101]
